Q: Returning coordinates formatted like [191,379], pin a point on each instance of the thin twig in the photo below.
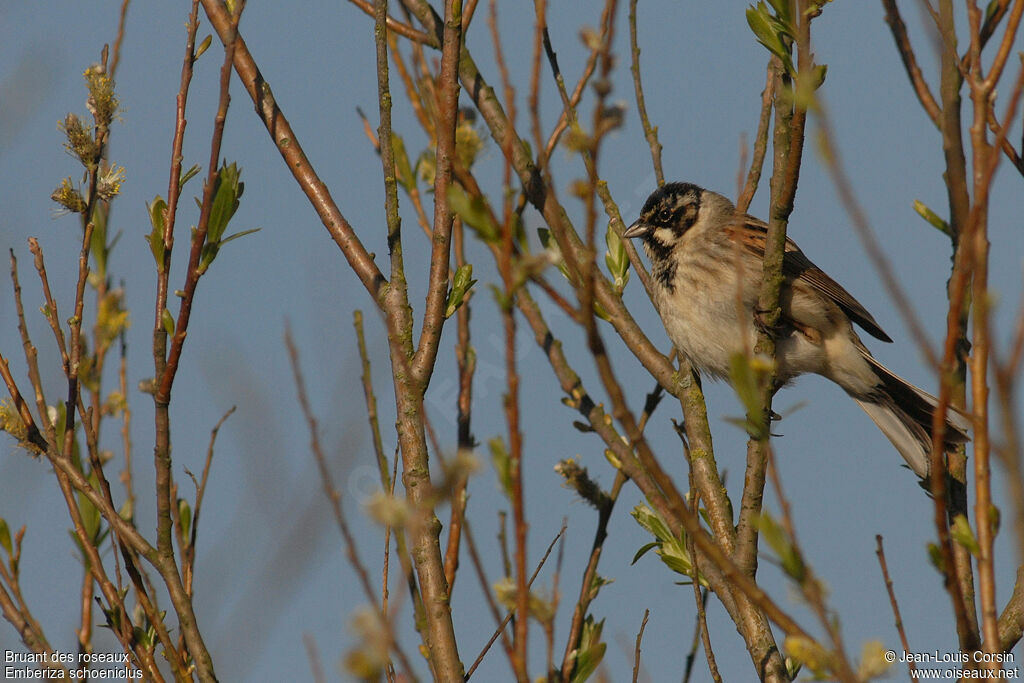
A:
[189,552]
[810,585]
[640,633]
[316,667]
[902,40]
[508,616]
[334,496]
[746,195]
[487,590]
[650,132]
[404,30]
[465,360]
[702,633]
[115,54]
[880,552]
[511,398]
[422,364]
[387,480]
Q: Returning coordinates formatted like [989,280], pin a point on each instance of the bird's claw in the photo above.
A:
[761,323]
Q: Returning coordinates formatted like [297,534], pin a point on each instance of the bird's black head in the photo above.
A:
[673,207]
[667,214]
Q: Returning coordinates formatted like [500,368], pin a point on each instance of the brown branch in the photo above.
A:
[760,143]
[510,613]
[678,515]
[540,34]
[50,312]
[569,102]
[1011,621]
[394,303]
[995,71]
[334,496]
[880,552]
[902,40]
[465,360]
[410,385]
[586,593]
[487,591]
[404,30]
[788,139]
[650,132]
[31,357]
[313,655]
[295,160]
[386,479]
[702,634]
[985,159]
[511,398]
[447,120]
[639,638]
[188,552]
[662,494]
[810,586]
[32,434]
[115,55]
[13,604]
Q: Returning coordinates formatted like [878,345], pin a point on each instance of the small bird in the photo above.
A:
[706,266]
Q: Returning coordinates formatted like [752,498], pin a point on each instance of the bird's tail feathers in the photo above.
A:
[904,413]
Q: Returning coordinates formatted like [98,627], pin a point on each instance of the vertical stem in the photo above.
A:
[977,228]
[409,386]
[954,370]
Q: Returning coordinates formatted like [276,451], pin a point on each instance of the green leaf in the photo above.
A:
[5,537]
[228,191]
[461,284]
[779,541]
[502,464]
[168,322]
[90,514]
[783,10]
[963,534]
[590,652]
[933,218]
[770,32]
[185,518]
[670,549]
[403,170]
[935,556]
[616,259]
[597,584]
[474,212]
[188,175]
[991,8]
[127,510]
[745,382]
[155,238]
[203,47]
[644,549]
[426,169]
[818,73]
[98,243]
[236,235]
[551,245]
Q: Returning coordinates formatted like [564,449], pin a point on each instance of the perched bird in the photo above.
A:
[706,265]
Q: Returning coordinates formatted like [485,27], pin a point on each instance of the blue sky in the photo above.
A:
[271,565]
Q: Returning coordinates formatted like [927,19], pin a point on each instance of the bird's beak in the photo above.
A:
[638,229]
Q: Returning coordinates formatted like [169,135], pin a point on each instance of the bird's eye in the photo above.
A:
[665,215]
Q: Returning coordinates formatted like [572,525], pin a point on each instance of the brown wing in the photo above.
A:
[752,235]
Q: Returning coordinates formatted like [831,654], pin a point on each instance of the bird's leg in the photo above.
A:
[761,318]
